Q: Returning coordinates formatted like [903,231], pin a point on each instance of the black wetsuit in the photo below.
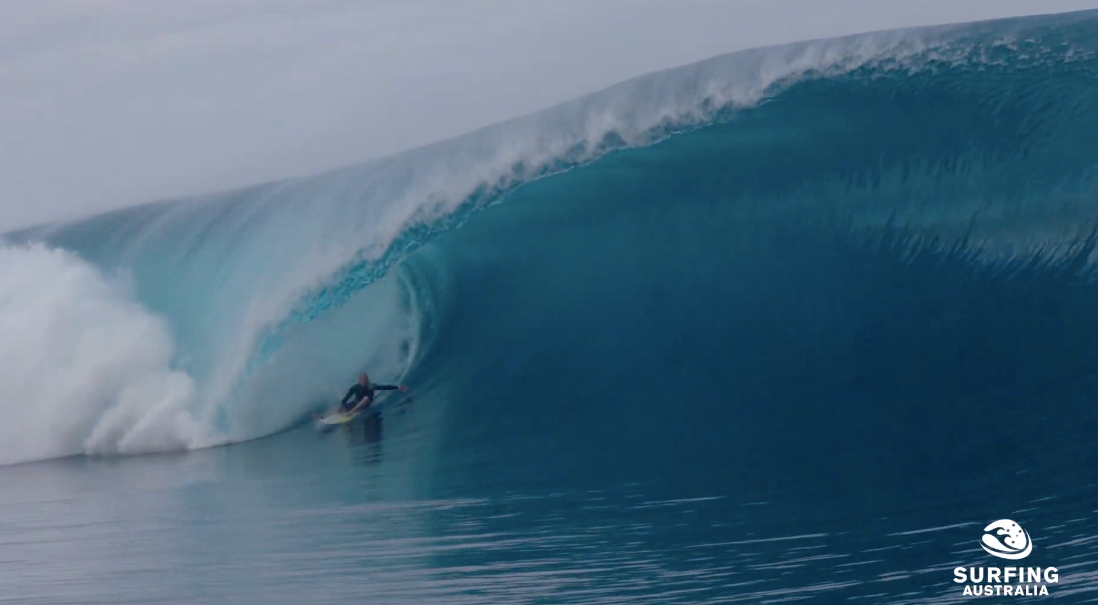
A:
[357,392]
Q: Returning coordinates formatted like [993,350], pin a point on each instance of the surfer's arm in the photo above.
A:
[364,402]
[390,387]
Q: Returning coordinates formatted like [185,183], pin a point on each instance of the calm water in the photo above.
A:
[342,518]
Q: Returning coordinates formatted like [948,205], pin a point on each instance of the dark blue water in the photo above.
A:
[798,347]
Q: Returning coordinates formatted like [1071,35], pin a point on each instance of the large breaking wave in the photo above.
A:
[733,225]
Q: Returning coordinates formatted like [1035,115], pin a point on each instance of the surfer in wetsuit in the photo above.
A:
[361,394]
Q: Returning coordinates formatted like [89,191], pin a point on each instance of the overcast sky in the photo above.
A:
[107,103]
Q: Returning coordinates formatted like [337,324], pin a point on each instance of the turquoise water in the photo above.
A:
[790,324]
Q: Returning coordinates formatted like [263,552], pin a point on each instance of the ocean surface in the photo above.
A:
[790,324]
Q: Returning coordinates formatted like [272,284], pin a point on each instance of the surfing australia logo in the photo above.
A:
[1006,539]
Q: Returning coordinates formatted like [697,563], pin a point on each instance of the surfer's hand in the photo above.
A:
[403,389]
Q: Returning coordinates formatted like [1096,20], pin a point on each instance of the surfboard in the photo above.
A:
[338,418]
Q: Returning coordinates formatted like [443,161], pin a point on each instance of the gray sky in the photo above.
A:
[107,103]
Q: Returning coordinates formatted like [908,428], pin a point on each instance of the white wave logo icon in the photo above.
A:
[1007,540]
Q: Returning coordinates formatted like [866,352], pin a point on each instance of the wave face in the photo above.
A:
[804,254]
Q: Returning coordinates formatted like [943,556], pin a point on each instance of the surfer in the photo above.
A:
[361,394]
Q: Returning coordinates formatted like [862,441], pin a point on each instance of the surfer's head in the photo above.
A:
[363,379]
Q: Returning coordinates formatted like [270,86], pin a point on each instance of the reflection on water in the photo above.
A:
[368,434]
[335,518]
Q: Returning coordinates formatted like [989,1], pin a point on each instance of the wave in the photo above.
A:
[255,306]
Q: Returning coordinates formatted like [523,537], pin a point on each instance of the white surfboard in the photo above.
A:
[338,418]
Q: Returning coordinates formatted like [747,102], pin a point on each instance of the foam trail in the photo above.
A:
[84,368]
